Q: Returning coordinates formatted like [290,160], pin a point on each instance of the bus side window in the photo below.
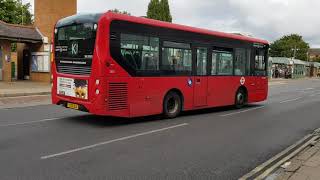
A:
[225,62]
[240,62]
[176,57]
[202,58]
[140,52]
[260,62]
[214,63]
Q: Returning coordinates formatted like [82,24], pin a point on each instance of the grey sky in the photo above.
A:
[267,19]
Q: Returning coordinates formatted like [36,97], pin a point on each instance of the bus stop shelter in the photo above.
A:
[10,64]
[282,67]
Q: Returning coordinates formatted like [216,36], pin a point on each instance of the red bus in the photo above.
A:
[117,65]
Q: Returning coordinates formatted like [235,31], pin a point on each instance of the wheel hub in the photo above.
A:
[172,105]
[240,98]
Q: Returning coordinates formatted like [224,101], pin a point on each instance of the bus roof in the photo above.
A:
[141,20]
[78,18]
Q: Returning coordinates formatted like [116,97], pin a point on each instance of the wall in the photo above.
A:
[6,66]
[48,12]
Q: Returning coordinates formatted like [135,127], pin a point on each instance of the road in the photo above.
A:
[50,142]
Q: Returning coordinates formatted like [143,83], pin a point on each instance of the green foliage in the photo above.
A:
[120,12]
[14,12]
[13,47]
[165,11]
[286,46]
[159,10]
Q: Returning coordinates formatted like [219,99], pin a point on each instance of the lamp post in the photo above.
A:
[22,20]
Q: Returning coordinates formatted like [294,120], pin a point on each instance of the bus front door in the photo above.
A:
[200,91]
[201,78]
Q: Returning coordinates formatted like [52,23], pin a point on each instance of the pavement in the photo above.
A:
[304,166]
[51,142]
[23,94]
[23,88]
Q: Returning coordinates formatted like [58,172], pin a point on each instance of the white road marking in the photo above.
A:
[290,100]
[30,122]
[276,83]
[111,141]
[307,89]
[312,95]
[231,114]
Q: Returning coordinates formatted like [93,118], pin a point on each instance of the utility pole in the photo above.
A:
[22,13]
[295,49]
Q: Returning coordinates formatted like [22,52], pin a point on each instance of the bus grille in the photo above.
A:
[118,96]
[75,70]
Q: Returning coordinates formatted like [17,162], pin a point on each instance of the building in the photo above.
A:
[314,54]
[31,61]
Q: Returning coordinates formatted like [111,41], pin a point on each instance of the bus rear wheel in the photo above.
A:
[172,105]
[241,99]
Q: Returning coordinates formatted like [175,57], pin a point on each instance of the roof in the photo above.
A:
[19,33]
[314,51]
[279,60]
[315,64]
[287,61]
[116,16]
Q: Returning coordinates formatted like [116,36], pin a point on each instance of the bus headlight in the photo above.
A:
[97,91]
[97,82]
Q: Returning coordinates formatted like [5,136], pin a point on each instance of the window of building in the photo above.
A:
[140,52]
[240,62]
[176,57]
[225,62]
[202,57]
[40,62]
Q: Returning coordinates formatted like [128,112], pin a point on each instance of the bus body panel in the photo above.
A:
[145,95]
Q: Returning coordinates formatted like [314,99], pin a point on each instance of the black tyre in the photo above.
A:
[241,99]
[172,105]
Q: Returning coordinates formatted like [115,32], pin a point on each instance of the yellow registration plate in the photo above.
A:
[73,106]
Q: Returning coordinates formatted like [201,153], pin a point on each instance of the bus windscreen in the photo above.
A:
[75,41]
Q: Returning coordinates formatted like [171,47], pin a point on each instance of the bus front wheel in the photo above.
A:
[172,105]
[241,98]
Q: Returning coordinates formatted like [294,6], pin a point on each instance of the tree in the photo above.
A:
[165,11]
[120,12]
[14,12]
[290,46]
[159,10]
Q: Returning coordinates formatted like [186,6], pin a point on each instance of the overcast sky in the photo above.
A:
[267,19]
